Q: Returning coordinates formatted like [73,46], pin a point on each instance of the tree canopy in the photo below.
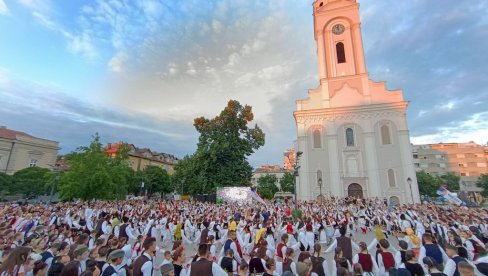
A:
[95,175]
[286,183]
[451,181]
[483,183]
[428,184]
[224,144]
[267,186]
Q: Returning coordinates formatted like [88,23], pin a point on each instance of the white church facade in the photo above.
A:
[352,132]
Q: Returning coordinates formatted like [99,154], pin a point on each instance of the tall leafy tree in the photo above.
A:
[451,181]
[428,184]
[156,179]
[95,175]
[32,181]
[267,186]
[5,183]
[224,145]
[286,183]
[483,183]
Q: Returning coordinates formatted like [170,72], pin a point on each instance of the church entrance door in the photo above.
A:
[355,190]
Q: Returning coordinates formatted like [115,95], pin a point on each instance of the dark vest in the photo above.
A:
[46,255]
[137,267]
[201,267]
[109,271]
[457,260]
[122,233]
[204,236]
[345,243]
[317,265]
[256,266]
[226,264]
[287,265]
[99,227]
[366,262]
[433,251]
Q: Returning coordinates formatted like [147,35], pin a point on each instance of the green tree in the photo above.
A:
[190,176]
[5,183]
[286,183]
[224,145]
[267,186]
[32,181]
[483,183]
[95,175]
[156,179]
[428,184]
[451,181]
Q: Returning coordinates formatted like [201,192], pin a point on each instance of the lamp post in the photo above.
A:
[295,175]
[319,182]
[55,183]
[409,181]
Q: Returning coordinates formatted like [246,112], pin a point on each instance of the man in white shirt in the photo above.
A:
[203,266]
[143,266]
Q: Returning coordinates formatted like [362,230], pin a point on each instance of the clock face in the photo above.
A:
[338,29]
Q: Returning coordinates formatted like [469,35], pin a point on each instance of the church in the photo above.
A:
[351,131]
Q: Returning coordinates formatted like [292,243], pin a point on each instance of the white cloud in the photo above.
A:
[3,8]
[474,129]
[117,62]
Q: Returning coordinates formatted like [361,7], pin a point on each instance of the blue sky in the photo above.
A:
[140,71]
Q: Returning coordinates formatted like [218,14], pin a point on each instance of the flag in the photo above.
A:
[255,195]
[447,195]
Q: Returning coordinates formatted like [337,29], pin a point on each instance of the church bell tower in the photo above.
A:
[352,131]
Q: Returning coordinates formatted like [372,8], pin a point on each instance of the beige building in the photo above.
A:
[139,158]
[19,150]
[272,170]
[467,160]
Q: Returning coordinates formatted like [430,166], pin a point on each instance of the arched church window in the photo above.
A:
[317,141]
[385,135]
[350,137]
[391,178]
[341,54]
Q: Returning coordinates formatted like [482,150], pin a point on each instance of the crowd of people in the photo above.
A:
[342,236]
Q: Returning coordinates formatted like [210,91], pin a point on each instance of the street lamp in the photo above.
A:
[319,182]
[56,181]
[295,175]
[409,181]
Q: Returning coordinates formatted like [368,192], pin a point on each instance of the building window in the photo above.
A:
[479,165]
[350,137]
[341,55]
[317,142]
[385,135]
[391,178]
[33,163]
[415,156]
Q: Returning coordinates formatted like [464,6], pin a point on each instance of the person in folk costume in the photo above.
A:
[203,266]
[368,262]
[143,265]
[386,260]
[309,236]
[362,219]
[234,244]
[288,263]
[413,241]
[228,263]
[112,268]
[322,232]
[212,247]
[248,241]
[270,241]
[432,250]
[340,263]
[319,264]
[345,243]
[137,247]
[262,250]
[270,268]
[256,263]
